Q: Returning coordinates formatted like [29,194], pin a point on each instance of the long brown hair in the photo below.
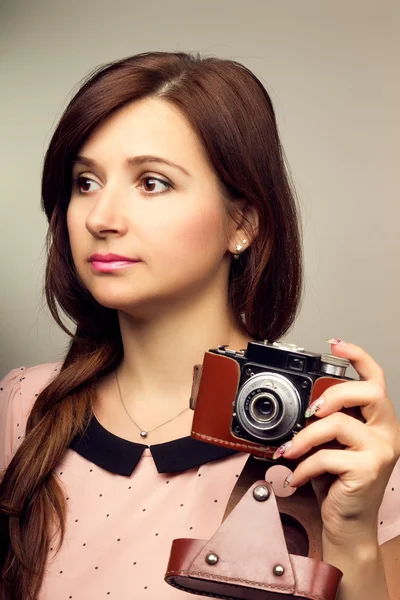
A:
[233,116]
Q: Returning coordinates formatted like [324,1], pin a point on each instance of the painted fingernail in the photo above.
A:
[313,408]
[288,480]
[335,341]
[281,450]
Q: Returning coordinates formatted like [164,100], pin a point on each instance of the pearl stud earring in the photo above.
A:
[239,247]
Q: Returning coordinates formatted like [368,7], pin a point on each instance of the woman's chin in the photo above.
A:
[117,303]
[133,305]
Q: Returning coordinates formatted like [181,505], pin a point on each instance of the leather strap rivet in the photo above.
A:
[212,558]
[278,570]
[261,493]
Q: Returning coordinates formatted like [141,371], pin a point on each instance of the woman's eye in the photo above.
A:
[80,182]
[150,185]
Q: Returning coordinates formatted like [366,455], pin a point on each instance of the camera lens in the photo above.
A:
[263,407]
[268,406]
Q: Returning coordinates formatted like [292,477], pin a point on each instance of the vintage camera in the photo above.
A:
[254,400]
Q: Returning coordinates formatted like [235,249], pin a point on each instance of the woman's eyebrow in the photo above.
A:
[133,160]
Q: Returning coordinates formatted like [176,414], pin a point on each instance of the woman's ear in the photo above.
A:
[245,225]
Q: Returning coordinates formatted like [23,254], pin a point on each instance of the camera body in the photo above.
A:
[254,400]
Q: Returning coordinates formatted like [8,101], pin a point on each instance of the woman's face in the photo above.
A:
[170,217]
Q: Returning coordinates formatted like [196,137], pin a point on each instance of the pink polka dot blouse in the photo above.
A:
[127,501]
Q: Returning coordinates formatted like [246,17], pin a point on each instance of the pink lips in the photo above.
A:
[106,263]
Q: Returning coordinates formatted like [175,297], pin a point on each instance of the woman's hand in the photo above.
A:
[351,499]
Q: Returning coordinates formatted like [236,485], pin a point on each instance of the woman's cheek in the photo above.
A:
[187,247]
[198,231]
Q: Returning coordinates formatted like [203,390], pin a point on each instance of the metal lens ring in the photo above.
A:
[263,407]
[268,406]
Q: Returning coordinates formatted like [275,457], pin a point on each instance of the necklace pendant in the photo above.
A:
[143,434]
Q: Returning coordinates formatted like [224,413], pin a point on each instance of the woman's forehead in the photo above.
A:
[147,127]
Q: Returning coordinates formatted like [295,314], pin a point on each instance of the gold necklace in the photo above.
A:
[144,433]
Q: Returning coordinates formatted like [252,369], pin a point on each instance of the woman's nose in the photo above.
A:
[108,215]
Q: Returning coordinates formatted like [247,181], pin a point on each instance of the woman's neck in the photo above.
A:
[156,374]
[159,355]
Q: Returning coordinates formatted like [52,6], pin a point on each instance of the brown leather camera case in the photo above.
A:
[215,386]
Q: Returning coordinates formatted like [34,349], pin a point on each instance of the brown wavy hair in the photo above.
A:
[232,114]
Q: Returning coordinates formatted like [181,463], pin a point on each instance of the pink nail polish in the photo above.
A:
[314,407]
[335,341]
[281,450]
[288,480]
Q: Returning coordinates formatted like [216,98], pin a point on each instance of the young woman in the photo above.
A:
[172,230]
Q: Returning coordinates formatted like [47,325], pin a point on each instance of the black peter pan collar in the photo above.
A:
[120,456]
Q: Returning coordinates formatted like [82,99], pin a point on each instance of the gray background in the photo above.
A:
[332,70]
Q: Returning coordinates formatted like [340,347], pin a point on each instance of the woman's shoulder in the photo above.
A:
[19,389]
[24,381]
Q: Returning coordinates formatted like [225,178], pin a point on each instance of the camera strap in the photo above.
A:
[197,371]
